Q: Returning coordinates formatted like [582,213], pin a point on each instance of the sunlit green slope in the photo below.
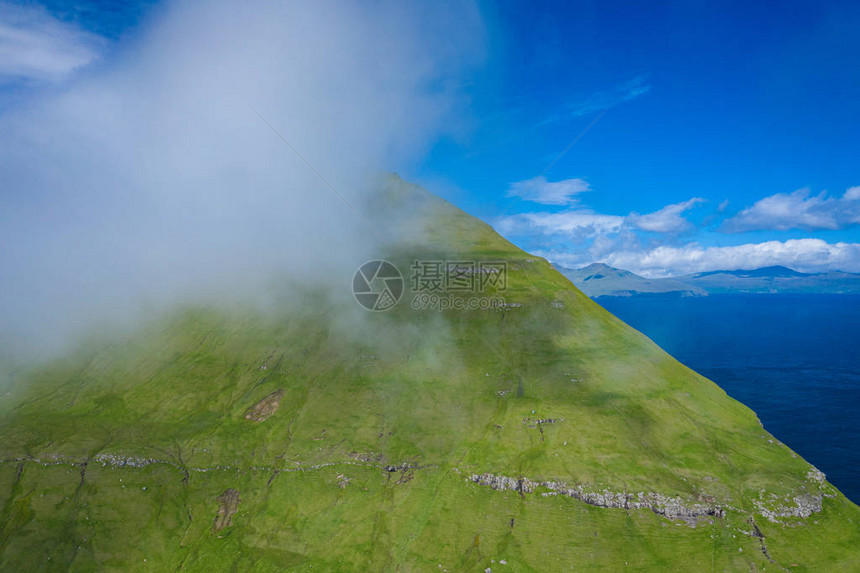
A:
[318,436]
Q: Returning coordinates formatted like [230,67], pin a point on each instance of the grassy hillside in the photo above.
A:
[320,437]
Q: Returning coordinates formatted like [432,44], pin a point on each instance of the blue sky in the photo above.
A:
[728,102]
[664,137]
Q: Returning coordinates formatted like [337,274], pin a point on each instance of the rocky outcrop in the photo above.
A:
[117,461]
[816,476]
[533,423]
[804,505]
[670,507]
[801,506]
[400,467]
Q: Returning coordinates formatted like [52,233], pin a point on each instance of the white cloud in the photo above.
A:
[36,46]
[580,222]
[585,223]
[539,190]
[798,210]
[154,180]
[808,255]
[581,237]
[669,219]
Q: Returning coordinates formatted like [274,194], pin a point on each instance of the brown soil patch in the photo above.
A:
[228,502]
[264,409]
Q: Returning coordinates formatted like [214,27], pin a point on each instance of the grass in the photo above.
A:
[448,392]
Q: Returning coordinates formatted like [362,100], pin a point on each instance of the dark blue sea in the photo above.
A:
[794,359]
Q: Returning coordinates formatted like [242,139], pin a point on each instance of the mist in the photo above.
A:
[152,178]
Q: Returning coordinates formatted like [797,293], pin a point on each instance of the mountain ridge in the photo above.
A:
[770,271]
[772,279]
[599,279]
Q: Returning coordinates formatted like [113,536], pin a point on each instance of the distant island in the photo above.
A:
[599,279]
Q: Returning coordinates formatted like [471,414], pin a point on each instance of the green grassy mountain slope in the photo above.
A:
[315,436]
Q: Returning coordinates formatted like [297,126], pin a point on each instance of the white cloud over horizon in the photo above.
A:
[36,46]
[805,255]
[798,210]
[651,245]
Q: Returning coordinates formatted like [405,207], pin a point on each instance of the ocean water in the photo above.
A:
[794,359]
